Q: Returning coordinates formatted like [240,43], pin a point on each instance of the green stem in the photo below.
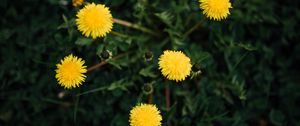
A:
[97,66]
[135,26]
[119,34]
[167,96]
[92,91]
[76,109]
[150,98]
[193,28]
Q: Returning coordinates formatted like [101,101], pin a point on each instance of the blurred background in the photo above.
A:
[248,63]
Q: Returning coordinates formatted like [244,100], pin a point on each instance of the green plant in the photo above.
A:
[248,64]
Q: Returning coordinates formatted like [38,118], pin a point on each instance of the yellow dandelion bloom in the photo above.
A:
[94,20]
[77,3]
[174,65]
[70,72]
[145,115]
[215,9]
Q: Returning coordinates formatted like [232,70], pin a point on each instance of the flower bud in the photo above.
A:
[196,71]
[147,88]
[105,54]
[196,67]
[148,55]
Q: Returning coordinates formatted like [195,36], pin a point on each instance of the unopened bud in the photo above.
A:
[196,68]
[147,88]
[196,71]
[148,55]
[105,54]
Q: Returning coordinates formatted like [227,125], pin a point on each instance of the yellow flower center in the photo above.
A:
[215,9]
[145,115]
[69,72]
[94,20]
[174,65]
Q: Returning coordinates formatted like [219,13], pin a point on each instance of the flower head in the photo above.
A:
[94,20]
[215,9]
[145,115]
[77,3]
[70,72]
[174,65]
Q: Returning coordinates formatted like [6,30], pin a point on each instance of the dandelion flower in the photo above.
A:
[77,3]
[145,115]
[70,72]
[94,20]
[174,65]
[215,9]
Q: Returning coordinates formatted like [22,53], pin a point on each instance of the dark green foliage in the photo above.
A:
[245,69]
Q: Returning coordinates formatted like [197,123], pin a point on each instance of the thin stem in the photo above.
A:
[119,34]
[57,102]
[92,91]
[140,98]
[167,96]
[150,98]
[76,109]
[189,18]
[192,29]
[168,102]
[231,70]
[135,26]
[97,66]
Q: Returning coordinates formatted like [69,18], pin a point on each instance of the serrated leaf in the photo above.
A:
[115,64]
[62,26]
[115,85]
[120,84]
[65,24]
[247,47]
[166,17]
[147,72]
[65,18]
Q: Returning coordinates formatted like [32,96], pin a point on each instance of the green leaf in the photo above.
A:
[120,84]
[84,41]
[277,117]
[147,72]
[166,16]
[248,46]
[115,64]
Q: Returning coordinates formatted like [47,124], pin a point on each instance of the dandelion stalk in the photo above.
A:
[167,96]
[193,28]
[150,98]
[92,91]
[119,34]
[135,26]
[168,102]
[76,109]
[97,66]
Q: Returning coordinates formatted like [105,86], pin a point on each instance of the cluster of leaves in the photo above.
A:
[249,72]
